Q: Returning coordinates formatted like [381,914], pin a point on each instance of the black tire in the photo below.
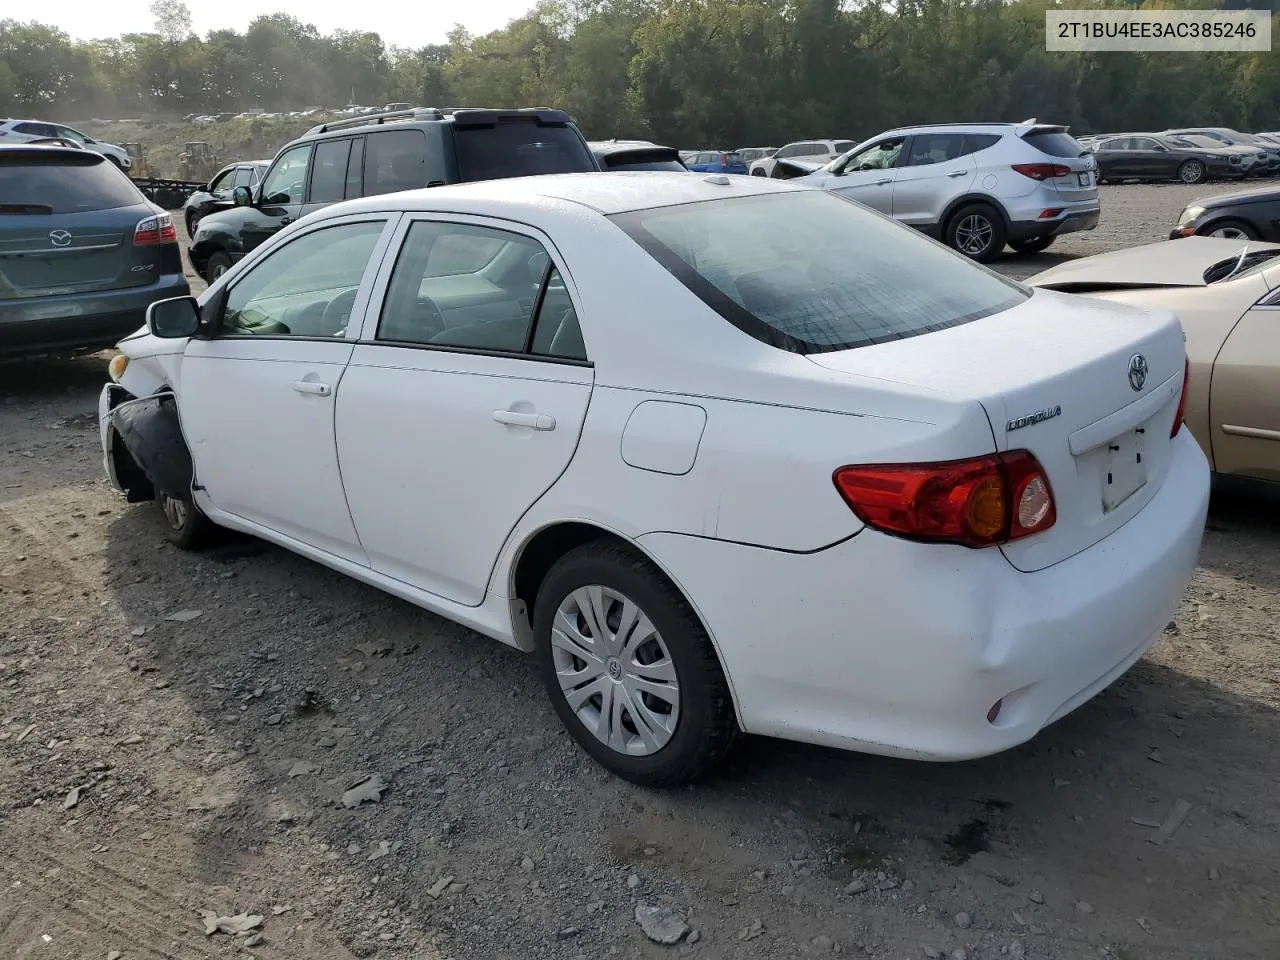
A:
[191,224]
[1192,171]
[967,218]
[184,525]
[705,728]
[1033,245]
[757,172]
[1245,230]
[219,263]
[116,161]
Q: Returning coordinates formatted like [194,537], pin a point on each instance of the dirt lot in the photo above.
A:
[176,731]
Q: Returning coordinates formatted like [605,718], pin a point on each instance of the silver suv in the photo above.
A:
[975,186]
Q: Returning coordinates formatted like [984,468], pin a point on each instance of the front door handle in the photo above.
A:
[284,221]
[957,173]
[539,421]
[312,387]
[881,183]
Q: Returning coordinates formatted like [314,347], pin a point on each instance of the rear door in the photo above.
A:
[937,168]
[1244,402]
[1078,182]
[475,356]
[69,224]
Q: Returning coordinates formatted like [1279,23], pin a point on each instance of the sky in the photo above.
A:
[411,24]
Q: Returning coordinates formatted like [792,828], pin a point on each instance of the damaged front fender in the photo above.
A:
[152,434]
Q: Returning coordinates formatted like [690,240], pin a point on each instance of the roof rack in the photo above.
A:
[416,113]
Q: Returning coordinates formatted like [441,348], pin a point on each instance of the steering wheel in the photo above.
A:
[337,313]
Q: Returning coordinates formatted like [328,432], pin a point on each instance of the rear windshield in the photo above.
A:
[625,163]
[519,149]
[63,185]
[1055,144]
[811,272]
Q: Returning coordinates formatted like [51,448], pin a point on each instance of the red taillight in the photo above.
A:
[976,503]
[153,230]
[1182,400]
[1042,171]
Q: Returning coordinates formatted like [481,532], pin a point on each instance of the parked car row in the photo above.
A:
[1190,155]
[31,131]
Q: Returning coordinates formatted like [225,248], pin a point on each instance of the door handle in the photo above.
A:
[957,173]
[285,221]
[881,183]
[539,421]
[312,387]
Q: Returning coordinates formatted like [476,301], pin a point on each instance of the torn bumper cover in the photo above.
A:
[152,435]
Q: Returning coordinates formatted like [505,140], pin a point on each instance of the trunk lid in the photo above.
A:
[67,220]
[1053,375]
[1060,148]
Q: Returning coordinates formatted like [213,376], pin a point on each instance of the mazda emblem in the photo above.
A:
[60,238]
[1137,371]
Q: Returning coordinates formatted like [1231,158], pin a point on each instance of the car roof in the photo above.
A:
[606,193]
[83,157]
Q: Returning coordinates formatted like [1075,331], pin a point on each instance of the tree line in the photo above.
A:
[685,72]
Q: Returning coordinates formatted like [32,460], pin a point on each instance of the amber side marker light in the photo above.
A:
[116,367]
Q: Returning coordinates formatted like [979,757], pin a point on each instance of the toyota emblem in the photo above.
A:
[59,238]
[1137,371]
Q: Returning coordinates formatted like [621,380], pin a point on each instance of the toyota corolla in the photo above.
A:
[726,454]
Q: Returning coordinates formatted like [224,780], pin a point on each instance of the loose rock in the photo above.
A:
[302,768]
[661,924]
[963,920]
[856,887]
[439,887]
[367,790]
[1035,896]
[753,930]
[527,865]
[633,882]
[933,953]
[240,923]
[1084,907]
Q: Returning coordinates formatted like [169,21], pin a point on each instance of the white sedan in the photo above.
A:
[726,453]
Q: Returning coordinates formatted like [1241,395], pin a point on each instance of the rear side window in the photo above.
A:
[973,142]
[519,149]
[329,171]
[49,185]
[811,272]
[395,160]
[844,146]
[1055,143]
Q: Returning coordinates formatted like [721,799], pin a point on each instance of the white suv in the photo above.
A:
[975,186]
[811,150]
[24,131]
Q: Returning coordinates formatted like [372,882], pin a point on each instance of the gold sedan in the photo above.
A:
[1227,295]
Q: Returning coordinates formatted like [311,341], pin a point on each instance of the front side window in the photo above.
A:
[287,178]
[305,288]
[478,288]
[75,135]
[244,177]
[812,272]
[878,156]
[222,182]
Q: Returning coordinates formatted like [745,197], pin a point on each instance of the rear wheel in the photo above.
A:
[185,526]
[1033,245]
[629,669]
[1229,230]
[977,231]
[219,263]
[757,172]
[1192,171]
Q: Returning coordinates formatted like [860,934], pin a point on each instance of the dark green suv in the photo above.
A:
[386,153]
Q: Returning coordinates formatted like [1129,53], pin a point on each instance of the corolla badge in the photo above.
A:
[59,238]
[1137,371]
[1048,413]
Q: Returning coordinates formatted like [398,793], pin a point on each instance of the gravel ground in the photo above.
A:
[177,732]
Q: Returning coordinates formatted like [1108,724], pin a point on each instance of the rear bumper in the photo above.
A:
[1071,220]
[81,321]
[884,646]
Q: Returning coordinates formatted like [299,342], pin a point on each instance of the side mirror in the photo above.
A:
[174,318]
[242,197]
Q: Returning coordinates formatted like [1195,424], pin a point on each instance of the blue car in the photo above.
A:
[717,161]
[82,252]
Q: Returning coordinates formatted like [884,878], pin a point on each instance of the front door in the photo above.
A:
[280,201]
[462,404]
[867,176]
[257,398]
[1244,402]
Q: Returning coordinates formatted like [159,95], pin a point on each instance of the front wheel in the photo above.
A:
[1192,171]
[629,668]
[219,263]
[977,231]
[757,172]
[1229,230]
[185,526]
[1032,245]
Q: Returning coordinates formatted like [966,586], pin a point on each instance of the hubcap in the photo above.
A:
[1230,233]
[973,235]
[175,511]
[615,671]
[1191,172]
[219,270]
